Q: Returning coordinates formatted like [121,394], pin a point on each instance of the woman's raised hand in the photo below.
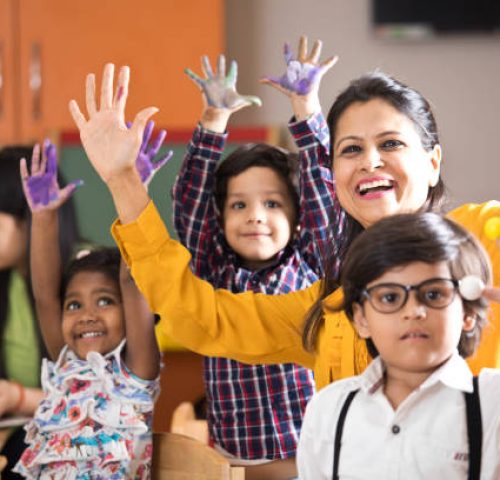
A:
[302,77]
[41,187]
[112,148]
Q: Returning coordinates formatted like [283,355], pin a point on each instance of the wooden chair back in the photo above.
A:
[177,457]
[184,422]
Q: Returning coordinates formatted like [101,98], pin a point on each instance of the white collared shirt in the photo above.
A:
[424,438]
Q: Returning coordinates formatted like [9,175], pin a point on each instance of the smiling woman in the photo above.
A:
[381,166]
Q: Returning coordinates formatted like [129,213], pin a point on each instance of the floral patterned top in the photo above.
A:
[94,422]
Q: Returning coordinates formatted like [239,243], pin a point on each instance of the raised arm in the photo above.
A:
[44,197]
[195,216]
[321,217]
[142,356]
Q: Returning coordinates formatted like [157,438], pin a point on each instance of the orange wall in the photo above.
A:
[156,38]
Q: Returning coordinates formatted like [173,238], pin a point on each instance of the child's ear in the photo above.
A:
[359,320]
[469,323]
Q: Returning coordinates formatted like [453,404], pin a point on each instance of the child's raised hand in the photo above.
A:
[144,163]
[303,74]
[219,89]
[41,187]
[112,148]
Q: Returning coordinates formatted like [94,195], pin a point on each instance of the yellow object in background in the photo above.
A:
[492,228]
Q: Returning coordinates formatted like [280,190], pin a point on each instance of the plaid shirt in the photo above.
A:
[255,411]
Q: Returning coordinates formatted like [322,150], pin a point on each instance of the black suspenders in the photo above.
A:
[338,433]
[474,431]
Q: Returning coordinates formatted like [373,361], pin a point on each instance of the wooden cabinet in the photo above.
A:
[7,72]
[48,46]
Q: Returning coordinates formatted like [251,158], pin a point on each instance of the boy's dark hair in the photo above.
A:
[104,260]
[284,163]
[420,237]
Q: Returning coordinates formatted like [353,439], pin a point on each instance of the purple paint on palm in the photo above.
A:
[43,188]
[300,77]
[145,164]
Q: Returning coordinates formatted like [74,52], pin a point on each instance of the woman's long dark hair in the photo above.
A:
[413,105]
[13,202]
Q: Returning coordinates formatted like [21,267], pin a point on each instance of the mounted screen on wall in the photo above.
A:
[423,18]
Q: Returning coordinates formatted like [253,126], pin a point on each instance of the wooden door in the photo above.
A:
[60,41]
[9,121]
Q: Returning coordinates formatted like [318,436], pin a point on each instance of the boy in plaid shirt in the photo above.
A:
[242,223]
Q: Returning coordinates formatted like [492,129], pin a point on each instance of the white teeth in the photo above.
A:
[375,184]
[91,334]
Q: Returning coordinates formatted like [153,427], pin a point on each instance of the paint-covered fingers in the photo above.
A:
[49,158]
[232,76]
[287,53]
[206,67]
[157,142]
[146,135]
[195,78]
[221,67]
[68,190]
[121,93]
[303,74]
[164,160]
[145,164]
[242,101]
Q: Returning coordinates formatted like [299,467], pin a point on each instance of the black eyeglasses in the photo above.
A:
[391,297]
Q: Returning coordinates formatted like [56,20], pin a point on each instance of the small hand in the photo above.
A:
[144,163]
[303,74]
[220,90]
[492,294]
[112,148]
[41,188]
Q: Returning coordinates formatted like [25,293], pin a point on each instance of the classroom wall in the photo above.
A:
[459,74]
